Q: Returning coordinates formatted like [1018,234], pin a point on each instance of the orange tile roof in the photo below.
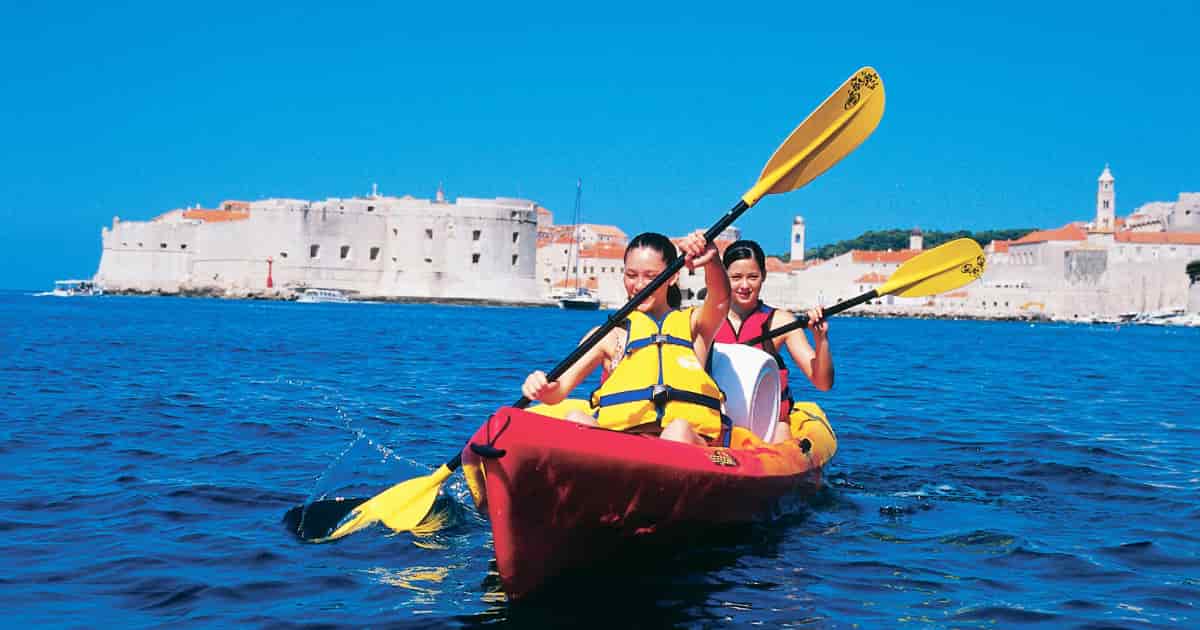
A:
[1068,232]
[999,247]
[215,216]
[604,251]
[774,265]
[955,294]
[1159,238]
[871,278]
[590,283]
[865,256]
[606,230]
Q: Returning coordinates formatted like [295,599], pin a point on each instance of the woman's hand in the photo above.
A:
[696,251]
[536,386]
[817,322]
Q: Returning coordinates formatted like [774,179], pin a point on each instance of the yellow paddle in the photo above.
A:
[943,268]
[830,133]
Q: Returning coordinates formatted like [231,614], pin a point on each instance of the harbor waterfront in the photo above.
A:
[988,474]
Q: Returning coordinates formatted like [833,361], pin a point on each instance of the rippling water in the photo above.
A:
[989,474]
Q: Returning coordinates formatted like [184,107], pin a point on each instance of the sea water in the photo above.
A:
[989,474]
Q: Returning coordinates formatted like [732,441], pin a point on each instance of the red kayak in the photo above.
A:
[565,496]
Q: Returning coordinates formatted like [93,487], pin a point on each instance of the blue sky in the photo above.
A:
[997,116]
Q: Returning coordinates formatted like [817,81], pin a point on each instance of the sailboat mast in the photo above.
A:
[575,230]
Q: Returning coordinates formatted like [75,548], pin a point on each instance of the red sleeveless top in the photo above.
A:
[755,324]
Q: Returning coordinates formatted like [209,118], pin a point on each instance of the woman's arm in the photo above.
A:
[815,361]
[537,388]
[707,320]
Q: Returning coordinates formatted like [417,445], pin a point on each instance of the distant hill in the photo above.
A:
[882,240]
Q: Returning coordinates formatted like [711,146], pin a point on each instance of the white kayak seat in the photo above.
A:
[750,379]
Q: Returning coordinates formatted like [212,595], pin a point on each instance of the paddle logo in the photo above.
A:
[722,458]
[975,269]
[865,79]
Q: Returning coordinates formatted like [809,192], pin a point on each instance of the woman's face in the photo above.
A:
[642,266]
[745,279]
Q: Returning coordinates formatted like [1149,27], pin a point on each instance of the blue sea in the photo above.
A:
[990,474]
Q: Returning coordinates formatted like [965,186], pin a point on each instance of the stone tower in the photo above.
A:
[916,240]
[1106,203]
[798,239]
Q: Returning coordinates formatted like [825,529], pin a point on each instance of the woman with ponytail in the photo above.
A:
[653,377]
[748,318]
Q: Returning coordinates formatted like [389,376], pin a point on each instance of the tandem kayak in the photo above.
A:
[563,496]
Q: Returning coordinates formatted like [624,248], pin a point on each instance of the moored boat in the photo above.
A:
[580,300]
[75,288]
[565,496]
[312,296]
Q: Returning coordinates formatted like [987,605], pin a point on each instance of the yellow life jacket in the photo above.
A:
[659,379]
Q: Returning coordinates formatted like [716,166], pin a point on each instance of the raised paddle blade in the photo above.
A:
[943,268]
[830,133]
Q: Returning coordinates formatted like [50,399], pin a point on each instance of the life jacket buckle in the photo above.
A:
[659,339]
[659,395]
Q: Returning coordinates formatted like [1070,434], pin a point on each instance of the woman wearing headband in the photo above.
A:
[749,318]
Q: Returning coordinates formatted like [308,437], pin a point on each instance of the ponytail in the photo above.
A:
[674,296]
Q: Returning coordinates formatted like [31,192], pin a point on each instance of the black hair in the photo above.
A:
[666,249]
[741,250]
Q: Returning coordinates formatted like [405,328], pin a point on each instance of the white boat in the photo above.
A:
[580,300]
[75,288]
[312,296]
[577,298]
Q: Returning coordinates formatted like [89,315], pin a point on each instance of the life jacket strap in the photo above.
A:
[657,339]
[660,395]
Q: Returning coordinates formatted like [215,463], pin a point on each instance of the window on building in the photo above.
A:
[370,208]
[429,260]
[515,235]
[474,235]
[514,262]
[139,243]
[374,253]
[314,251]
[429,233]
[474,259]
[183,246]
[796,239]
[162,245]
[283,254]
[1106,204]
[345,253]
[395,231]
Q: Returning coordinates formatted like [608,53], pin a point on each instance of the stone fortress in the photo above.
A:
[508,250]
[373,247]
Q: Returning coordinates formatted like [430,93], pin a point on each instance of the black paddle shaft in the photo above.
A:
[802,318]
[616,318]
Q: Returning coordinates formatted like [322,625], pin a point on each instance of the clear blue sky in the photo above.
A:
[996,117]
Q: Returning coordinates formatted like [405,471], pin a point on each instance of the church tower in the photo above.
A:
[797,239]
[916,240]
[1106,203]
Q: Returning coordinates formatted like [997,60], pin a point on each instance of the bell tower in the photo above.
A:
[797,239]
[1106,203]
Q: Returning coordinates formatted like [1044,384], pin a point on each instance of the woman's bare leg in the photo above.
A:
[680,430]
[580,417]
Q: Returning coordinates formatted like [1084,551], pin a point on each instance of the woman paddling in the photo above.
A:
[653,366]
[748,318]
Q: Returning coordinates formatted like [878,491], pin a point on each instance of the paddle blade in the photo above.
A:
[830,133]
[401,507]
[944,268]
